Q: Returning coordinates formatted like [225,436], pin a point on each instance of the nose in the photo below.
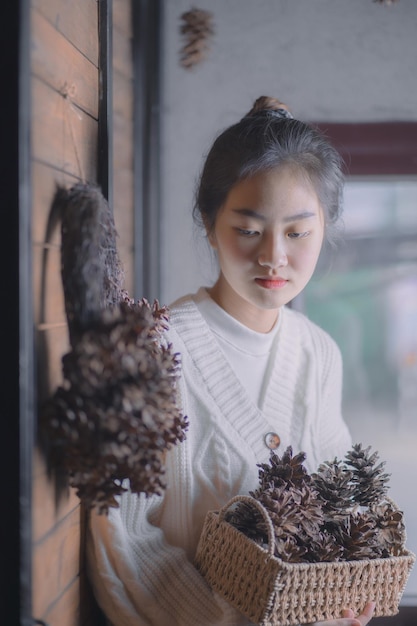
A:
[272,253]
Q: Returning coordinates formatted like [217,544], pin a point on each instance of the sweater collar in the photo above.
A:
[250,422]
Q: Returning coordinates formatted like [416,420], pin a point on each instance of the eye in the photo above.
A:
[245,232]
[299,235]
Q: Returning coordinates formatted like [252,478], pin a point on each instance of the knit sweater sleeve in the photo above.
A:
[140,574]
[137,577]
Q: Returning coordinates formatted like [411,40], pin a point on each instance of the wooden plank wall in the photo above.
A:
[65,88]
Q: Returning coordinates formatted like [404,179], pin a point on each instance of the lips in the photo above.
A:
[271,283]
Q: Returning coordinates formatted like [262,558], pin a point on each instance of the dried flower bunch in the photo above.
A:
[114,417]
[339,513]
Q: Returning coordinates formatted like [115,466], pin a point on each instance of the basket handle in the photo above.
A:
[262,510]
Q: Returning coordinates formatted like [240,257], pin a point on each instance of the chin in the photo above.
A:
[269,303]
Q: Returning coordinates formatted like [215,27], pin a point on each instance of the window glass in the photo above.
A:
[373,207]
[364,294]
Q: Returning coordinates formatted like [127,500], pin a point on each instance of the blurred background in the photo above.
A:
[332,62]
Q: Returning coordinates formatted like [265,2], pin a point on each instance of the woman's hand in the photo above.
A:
[348,618]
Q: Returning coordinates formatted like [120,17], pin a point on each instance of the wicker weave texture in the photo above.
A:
[271,592]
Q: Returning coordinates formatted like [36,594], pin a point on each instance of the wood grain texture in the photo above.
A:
[63,136]
[122,17]
[56,561]
[45,179]
[47,512]
[65,92]
[124,221]
[64,53]
[123,202]
[122,54]
[77,20]
[66,608]
[123,96]
[63,67]
[52,344]
[122,143]
[49,305]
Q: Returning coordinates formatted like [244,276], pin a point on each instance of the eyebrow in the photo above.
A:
[291,218]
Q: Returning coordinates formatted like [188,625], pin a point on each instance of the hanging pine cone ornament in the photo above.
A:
[115,415]
[196,30]
[339,513]
[110,423]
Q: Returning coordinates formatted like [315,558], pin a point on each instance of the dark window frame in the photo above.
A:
[105,114]
[17,316]
[147,21]
[375,149]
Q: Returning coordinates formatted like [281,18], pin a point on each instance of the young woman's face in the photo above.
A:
[268,236]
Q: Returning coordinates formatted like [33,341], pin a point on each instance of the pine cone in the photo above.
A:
[287,470]
[116,414]
[333,483]
[324,547]
[295,513]
[290,550]
[337,513]
[359,536]
[196,29]
[391,529]
[370,483]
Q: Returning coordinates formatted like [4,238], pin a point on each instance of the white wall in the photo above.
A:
[329,60]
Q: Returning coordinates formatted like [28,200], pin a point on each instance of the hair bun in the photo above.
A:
[273,105]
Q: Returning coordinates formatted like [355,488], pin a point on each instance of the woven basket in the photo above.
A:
[272,592]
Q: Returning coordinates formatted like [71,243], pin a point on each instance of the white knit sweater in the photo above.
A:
[140,557]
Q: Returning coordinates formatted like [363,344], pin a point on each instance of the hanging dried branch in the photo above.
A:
[196,30]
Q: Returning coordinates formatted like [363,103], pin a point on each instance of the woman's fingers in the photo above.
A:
[367,614]
[349,619]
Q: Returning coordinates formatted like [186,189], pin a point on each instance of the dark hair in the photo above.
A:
[265,138]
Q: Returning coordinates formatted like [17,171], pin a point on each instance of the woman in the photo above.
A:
[256,375]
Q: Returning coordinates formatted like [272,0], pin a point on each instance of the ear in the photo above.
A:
[211,236]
